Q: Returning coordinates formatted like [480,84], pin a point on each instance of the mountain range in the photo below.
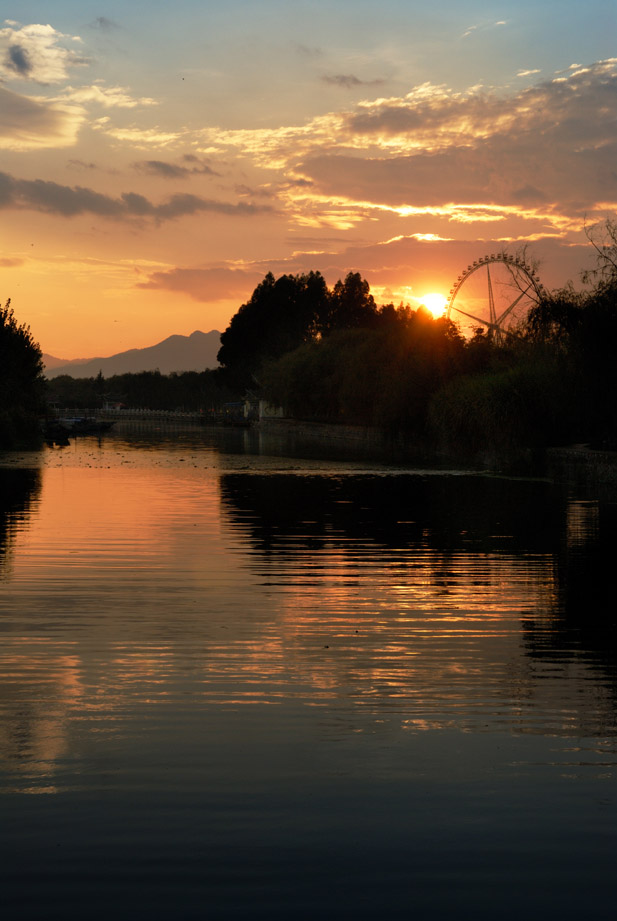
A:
[176,353]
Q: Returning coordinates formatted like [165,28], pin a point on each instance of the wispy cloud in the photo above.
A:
[104,24]
[106,96]
[484,27]
[350,81]
[164,170]
[70,201]
[308,51]
[81,165]
[136,136]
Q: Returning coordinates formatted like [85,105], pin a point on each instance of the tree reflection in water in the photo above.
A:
[19,490]
[491,544]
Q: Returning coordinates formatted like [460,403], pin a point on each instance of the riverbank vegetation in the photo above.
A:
[186,390]
[335,356]
[21,383]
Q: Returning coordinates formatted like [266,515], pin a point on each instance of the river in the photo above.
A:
[241,683]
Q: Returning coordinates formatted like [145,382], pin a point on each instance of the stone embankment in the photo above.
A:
[573,463]
[582,464]
[360,440]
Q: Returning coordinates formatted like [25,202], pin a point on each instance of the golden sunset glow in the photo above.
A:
[152,203]
[434,302]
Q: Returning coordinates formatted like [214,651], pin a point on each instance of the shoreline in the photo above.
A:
[564,462]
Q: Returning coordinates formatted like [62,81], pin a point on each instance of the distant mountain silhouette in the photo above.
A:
[176,353]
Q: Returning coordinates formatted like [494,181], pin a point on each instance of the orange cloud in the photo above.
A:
[204,285]
[28,124]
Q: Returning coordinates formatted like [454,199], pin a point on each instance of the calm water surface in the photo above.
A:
[240,684]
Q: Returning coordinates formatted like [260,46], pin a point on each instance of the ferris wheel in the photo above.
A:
[494,293]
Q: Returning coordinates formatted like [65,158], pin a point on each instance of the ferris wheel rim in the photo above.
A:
[513,262]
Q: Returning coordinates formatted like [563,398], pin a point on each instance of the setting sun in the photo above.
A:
[434,302]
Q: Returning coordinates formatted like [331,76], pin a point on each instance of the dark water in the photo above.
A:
[244,685]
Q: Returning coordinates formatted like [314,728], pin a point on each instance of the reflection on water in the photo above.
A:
[582,625]
[249,684]
[445,570]
[19,489]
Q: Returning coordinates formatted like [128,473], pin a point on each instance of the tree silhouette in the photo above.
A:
[21,380]
[351,304]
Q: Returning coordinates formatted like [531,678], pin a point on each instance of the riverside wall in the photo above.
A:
[356,440]
[583,467]
[575,464]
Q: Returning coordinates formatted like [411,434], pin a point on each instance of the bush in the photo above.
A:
[531,405]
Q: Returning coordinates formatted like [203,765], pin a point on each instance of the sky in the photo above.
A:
[157,159]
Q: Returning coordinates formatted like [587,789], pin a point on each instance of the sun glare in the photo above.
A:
[434,302]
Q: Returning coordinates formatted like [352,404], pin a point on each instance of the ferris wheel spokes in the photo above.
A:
[477,320]
[509,309]
[491,299]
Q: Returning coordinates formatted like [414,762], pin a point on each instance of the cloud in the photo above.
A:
[204,285]
[144,138]
[37,52]
[433,264]
[555,142]
[69,201]
[349,81]
[17,59]
[528,194]
[106,96]
[28,124]
[250,192]
[81,165]
[104,24]
[495,175]
[172,170]
[543,154]
[161,169]
[484,27]
[308,51]
[434,117]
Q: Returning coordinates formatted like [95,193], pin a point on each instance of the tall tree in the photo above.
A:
[281,314]
[351,304]
[21,380]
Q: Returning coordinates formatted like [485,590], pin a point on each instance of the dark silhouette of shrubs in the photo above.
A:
[189,390]
[383,375]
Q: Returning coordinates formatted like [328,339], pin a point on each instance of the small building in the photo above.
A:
[256,408]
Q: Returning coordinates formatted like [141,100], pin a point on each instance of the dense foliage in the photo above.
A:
[286,312]
[21,382]
[187,390]
[382,375]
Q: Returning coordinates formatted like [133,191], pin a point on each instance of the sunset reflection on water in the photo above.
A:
[178,622]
